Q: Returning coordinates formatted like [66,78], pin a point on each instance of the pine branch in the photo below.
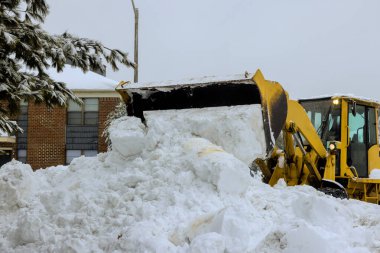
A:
[27,51]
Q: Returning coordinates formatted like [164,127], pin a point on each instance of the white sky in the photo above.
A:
[311,47]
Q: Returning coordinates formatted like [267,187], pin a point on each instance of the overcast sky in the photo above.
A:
[311,47]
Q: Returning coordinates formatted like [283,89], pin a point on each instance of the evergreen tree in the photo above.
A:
[26,51]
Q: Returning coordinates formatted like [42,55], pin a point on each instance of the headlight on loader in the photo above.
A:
[332,146]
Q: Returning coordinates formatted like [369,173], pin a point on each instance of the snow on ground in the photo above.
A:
[176,186]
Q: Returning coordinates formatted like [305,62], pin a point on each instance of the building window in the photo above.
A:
[22,138]
[22,121]
[82,129]
[21,155]
[87,114]
[71,154]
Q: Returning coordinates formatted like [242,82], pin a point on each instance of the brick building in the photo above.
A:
[57,135]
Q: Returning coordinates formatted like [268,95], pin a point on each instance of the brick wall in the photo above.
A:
[46,136]
[106,105]
[47,133]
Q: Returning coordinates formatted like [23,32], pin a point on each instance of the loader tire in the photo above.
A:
[335,192]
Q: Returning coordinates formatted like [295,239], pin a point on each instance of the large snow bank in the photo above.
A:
[170,187]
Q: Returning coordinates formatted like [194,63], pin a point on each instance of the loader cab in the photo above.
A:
[362,135]
[352,124]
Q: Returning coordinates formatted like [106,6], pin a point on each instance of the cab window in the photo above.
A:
[325,117]
[372,138]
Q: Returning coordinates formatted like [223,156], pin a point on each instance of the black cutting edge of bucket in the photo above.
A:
[211,95]
[274,115]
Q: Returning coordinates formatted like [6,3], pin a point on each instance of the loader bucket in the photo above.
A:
[243,91]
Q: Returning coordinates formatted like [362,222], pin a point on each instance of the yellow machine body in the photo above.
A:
[339,165]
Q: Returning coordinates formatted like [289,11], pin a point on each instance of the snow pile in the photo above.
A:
[173,187]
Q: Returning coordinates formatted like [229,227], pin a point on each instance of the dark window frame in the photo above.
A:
[329,112]
[22,138]
[82,114]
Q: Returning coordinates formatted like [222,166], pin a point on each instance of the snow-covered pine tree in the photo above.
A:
[26,51]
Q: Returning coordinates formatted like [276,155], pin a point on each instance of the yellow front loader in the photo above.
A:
[330,143]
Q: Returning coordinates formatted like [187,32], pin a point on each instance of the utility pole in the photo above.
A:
[136,56]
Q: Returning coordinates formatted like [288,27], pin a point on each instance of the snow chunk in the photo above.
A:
[238,129]
[17,181]
[212,164]
[128,136]
[375,174]
[210,243]
[28,229]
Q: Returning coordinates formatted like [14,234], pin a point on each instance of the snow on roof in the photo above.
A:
[76,79]
[191,81]
[342,95]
